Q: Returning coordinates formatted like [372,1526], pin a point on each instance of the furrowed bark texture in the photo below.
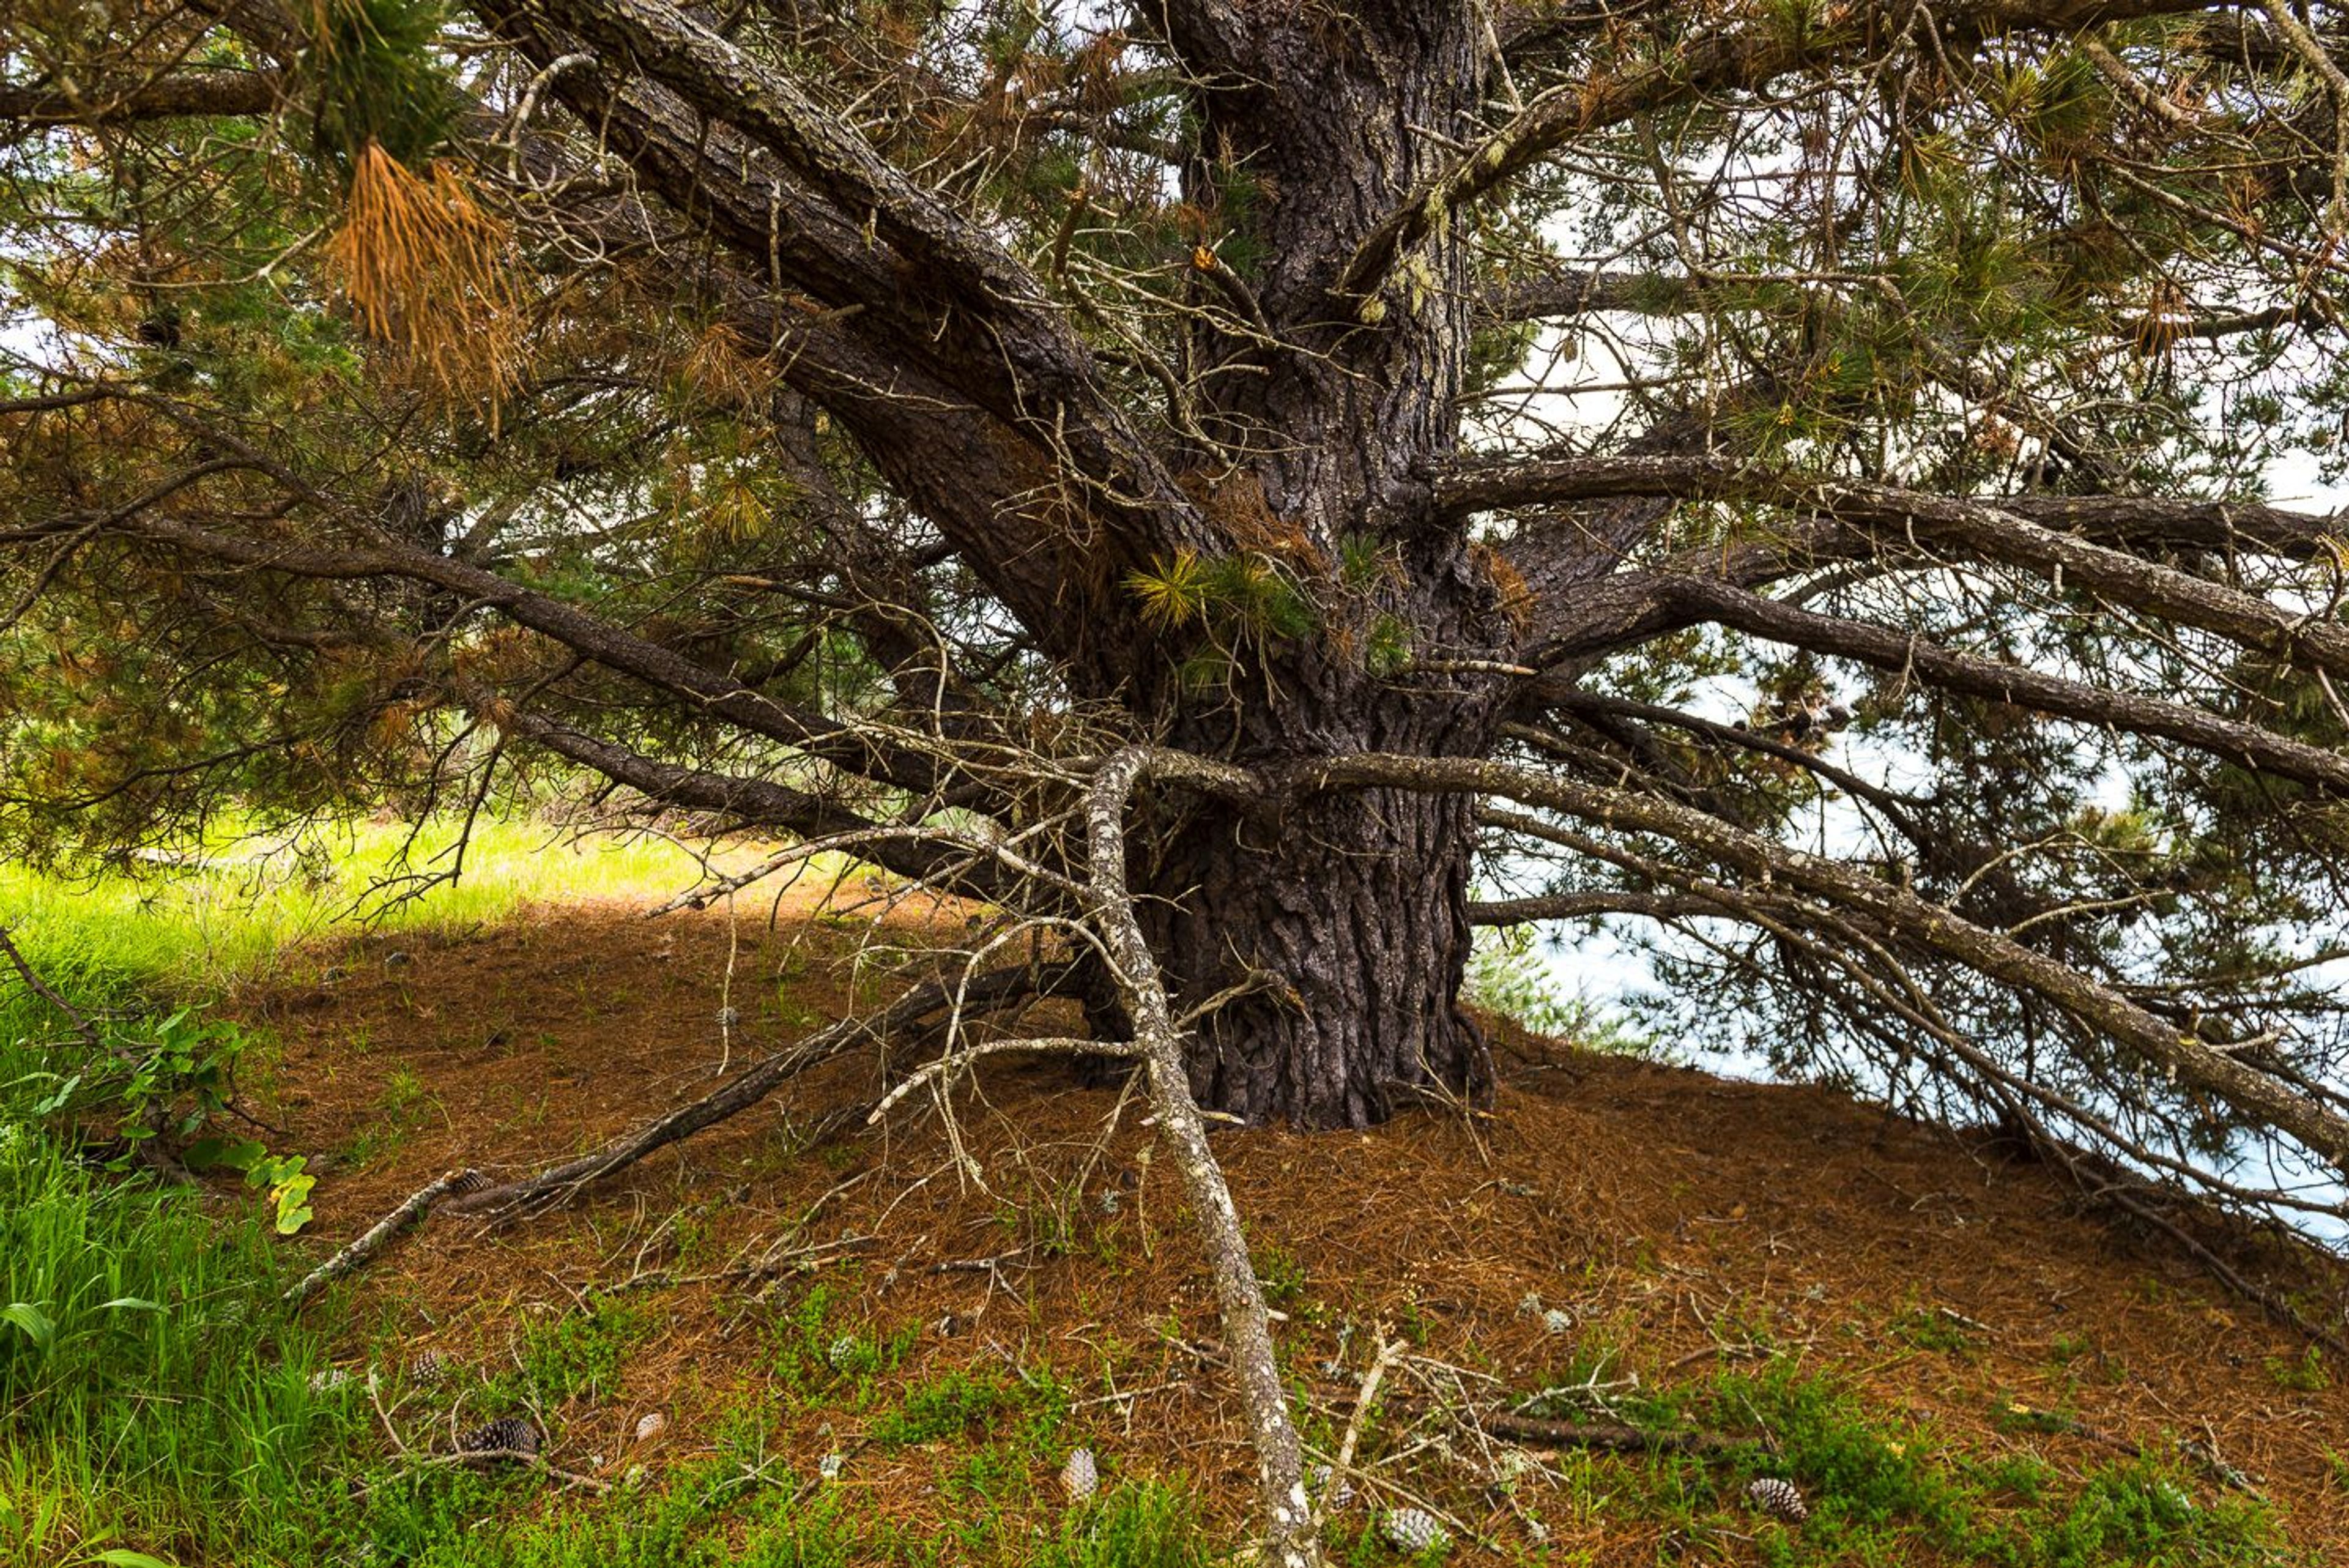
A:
[1346,921]
[1343,924]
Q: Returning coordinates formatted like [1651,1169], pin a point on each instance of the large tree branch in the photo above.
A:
[933,861]
[1598,901]
[1703,64]
[1476,485]
[1972,675]
[946,292]
[2002,531]
[1560,290]
[168,97]
[1000,489]
[896,760]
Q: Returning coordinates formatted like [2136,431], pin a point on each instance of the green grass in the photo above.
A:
[2308,1374]
[109,936]
[581,1351]
[152,1396]
[716,1514]
[128,951]
[1883,1491]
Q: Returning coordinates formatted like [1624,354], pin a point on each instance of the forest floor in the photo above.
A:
[1950,1358]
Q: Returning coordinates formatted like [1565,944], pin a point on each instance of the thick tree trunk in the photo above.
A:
[1348,921]
[1337,936]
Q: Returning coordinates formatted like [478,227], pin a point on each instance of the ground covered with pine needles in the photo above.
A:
[1600,1310]
[1948,1357]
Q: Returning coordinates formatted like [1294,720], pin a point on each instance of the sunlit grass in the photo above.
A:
[197,928]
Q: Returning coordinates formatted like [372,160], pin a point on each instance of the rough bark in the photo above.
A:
[1343,926]
[1336,935]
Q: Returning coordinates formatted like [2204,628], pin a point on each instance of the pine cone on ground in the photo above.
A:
[1081,1477]
[509,1436]
[1778,1499]
[1336,1490]
[842,1353]
[428,1368]
[470,1181]
[1413,1530]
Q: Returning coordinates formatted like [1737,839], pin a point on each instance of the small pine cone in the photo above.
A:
[329,1380]
[1081,1477]
[1778,1499]
[428,1368]
[470,1181]
[1336,1490]
[1411,1531]
[1556,1320]
[842,1353]
[651,1425]
[508,1437]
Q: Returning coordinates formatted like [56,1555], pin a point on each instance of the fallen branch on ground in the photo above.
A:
[1617,1437]
[755,1084]
[416,1206]
[1289,1539]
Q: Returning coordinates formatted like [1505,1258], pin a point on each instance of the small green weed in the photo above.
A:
[1281,1277]
[2308,1374]
[402,1108]
[956,1401]
[1933,1328]
[814,1353]
[581,1351]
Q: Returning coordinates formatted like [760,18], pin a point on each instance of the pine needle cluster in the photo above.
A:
[424,265]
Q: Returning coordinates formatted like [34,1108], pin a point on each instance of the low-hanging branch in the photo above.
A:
[1996,531]
[1973,675]
[172,96]
[2193,1060]
[903,760]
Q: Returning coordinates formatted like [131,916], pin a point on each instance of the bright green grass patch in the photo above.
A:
[152,1396]
[1883,1491]
[236,910]
[728,1512]
[116,944]
[581,1351]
